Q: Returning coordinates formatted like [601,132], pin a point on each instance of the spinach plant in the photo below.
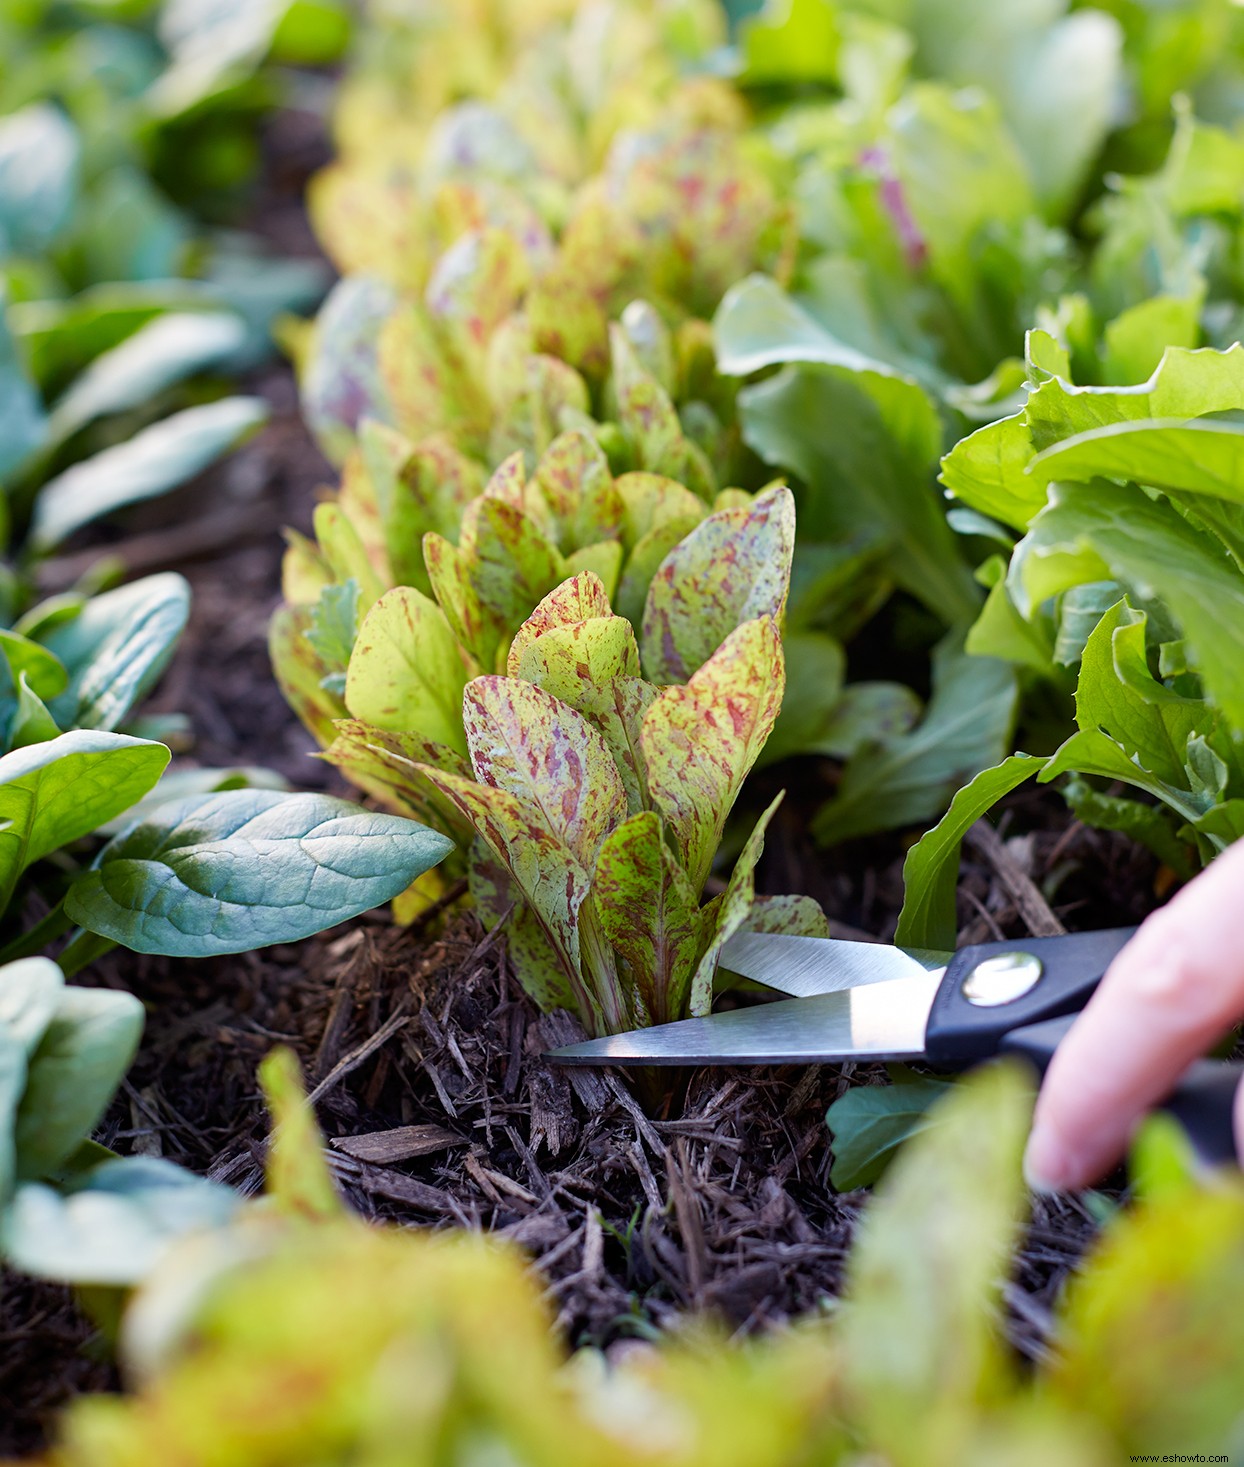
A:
[70,1209]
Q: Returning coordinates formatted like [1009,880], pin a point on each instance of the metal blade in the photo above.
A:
[875,1021]
[806,966]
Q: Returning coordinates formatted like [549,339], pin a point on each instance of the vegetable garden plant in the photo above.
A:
[683,357]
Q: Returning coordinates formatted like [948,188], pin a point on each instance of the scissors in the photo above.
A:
[870,1001]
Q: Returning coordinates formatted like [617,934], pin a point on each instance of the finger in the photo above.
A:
[1239,1122]
[1167,997]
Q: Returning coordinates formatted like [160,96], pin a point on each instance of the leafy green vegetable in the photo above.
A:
[870,1123]
[243,868]
[910,777]
[68,1210]
[930,872]
[152,462]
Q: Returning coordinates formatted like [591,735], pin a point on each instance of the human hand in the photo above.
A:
[1169,996]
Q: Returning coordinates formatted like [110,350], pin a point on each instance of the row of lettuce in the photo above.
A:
[606,278]
[654,331]
[126,323]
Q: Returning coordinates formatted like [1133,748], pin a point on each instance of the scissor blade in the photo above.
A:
[806,966]
[875,1021]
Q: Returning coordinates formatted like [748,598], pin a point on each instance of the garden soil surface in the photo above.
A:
[425,1058]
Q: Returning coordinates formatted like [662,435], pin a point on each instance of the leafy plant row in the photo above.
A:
[440,1347]
[609,268]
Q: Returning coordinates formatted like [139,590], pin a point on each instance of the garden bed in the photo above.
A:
[424,1056]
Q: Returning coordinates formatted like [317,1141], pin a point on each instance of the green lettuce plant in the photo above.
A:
[1125,576]
[911,1367]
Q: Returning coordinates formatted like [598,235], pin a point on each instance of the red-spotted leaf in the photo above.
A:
[543,867]
[451,573]
[699,740]
[649,913]
[550,758]
[576,600]
[580,663]
[733,568]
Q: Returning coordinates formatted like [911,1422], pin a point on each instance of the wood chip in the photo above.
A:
[1019,886]
[400,1144]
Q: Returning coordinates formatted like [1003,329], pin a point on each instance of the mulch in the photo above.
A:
[425,1058]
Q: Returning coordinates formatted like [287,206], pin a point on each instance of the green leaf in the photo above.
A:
[1185,384]
[988,470]
[29,994]
[12,1083]
[1095,532]
[1152,1327]
[1137,339]
[911,779]
[1118,695]
[700,740]
[43,671]
[869,1124]
[1152,826]
[406,673]
[158,355]
[931,870]
[1198,458]
[22,422]
[874,474]
[758,325]
[333,630]
[116,649]
[56,792]
[299,1183]
[74,1072]
[40,154]
[115,1223]
[727,914]
[143,467]
[732,568]
[815,666]
[790,42]
[921,1348]
[226,872]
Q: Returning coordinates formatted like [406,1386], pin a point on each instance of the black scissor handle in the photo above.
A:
[1203,1102]
[1069,968]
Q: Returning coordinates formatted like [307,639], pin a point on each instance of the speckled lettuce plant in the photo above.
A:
[597,770]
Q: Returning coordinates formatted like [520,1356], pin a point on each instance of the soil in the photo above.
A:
[424,1057]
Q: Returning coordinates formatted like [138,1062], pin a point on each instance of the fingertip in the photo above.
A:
[1050,1164]
[1239,1122]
